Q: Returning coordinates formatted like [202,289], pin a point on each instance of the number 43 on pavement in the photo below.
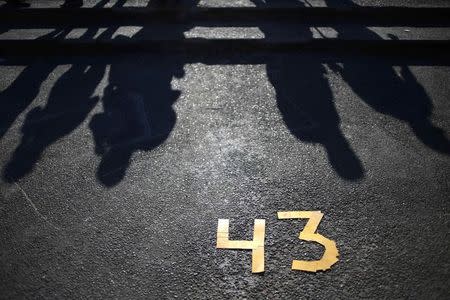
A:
[329,258]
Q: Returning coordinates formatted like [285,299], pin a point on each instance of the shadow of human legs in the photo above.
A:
[138,113]
[135,117]
[430,135]
[419,120]
[68,105]
[19,95]
[341,156]
[69,102]
[397,94]
[305,100]
[137,108]
[307,106]
[25,88]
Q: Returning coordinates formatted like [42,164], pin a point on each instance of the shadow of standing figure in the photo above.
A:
[305,100]
[137,105]
[25,88]
[398,95]
[68,105]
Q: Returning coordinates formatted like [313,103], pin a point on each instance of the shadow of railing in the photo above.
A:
[137,101]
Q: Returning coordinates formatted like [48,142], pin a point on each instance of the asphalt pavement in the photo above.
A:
[114,169]
[238,3]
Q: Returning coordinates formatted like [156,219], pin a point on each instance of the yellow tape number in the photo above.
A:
[256,245]
[330,256]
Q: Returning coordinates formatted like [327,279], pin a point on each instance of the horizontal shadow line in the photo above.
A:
[436,48]
[382,16]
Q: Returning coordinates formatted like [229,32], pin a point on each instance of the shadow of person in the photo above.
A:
[398,95]
[69,103]
[19,95]
[305,100]
[137,105]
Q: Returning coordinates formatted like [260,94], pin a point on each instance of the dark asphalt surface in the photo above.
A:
[250,3]
[277,33]
[115,170]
